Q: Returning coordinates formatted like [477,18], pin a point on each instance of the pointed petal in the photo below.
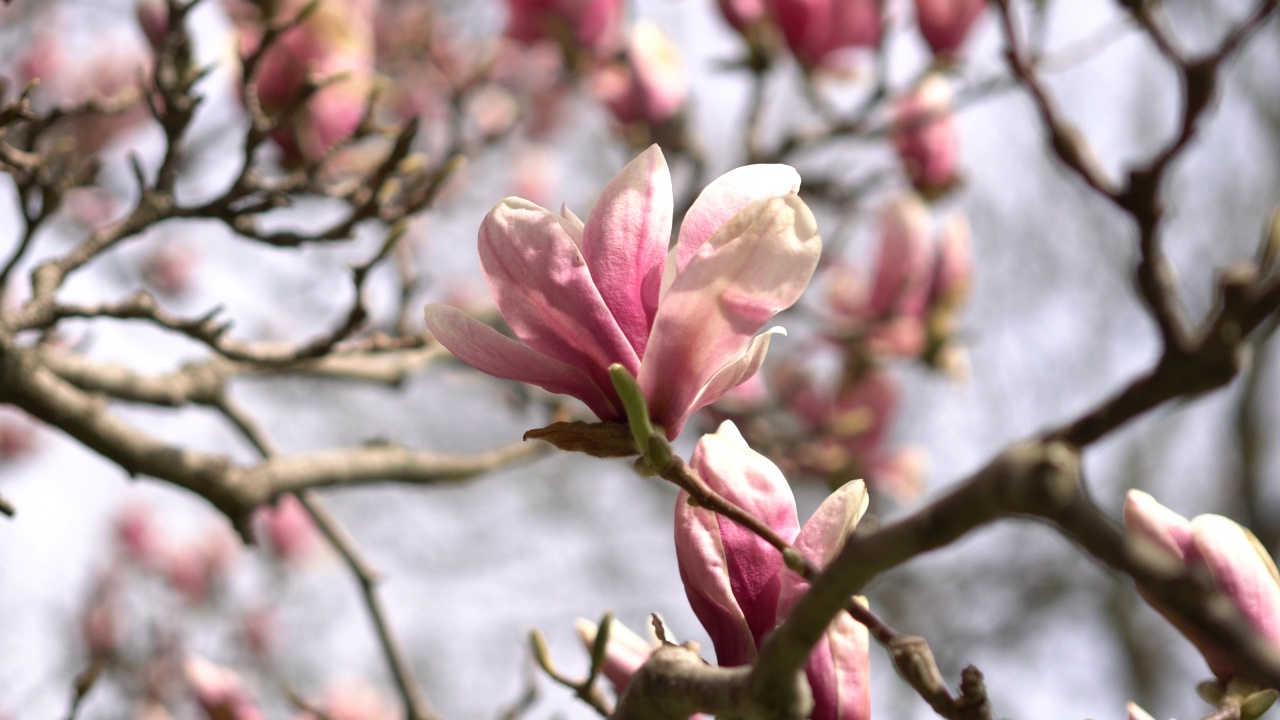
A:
[832,523]
[727,196]
[700,556]
[756,265]
[728,377]
[1146,518]
[489,351]
[1239,570]
[625,242]
[624,654]
[839,672]
[546,294]
[750,481]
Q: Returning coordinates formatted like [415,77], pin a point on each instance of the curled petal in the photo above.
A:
[757,264]
[832,523]
[544,289]
[625,243]
[727,196]
[729,377]
[489,351]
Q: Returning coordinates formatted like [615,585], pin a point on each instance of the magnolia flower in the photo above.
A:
[738,585]
[220,691]
[335,40]
[946,23]
[590,24]
[742,14]
[1236,562]
[815,29]
[651,87]
[583,296]
[925,137]
[288,528]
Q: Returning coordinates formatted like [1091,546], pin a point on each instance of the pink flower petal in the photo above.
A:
[625,243]
[832,523]
[726,197]
[1240,570]
[1148,519]
[728,377]
[757,264]
[700,555]
[545,291]
[489,351]
[750,481]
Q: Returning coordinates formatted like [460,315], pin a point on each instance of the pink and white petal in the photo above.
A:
[832,523]
[491,352]
[725,197]
[1238,570]
[1146,518]
[624,654]
[757,264]
[700,556]
[728,377]
[625,242]
[544,290]
[753,483]
[850,646]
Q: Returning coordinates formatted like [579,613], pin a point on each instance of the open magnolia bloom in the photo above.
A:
[583,296]
[740,588]
[1237,563]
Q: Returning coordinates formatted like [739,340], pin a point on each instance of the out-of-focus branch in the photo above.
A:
[915,663]
[1139,195]
[417,707]
[236,490]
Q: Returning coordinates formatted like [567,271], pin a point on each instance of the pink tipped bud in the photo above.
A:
[945,24]
[652,87]
[220,691]
[153,18]
[136,534]
[1237,563]
[924,134]
[17,436]
[170,269]
[288,528]
[816,29]
[591,25]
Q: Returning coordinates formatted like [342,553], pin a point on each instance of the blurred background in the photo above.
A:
[1050,327]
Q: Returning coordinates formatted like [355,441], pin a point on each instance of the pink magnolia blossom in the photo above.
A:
[945,24]
[583,296]
[336,39]
[925,136]
[815,29]
[1236,562]
[738,585]
[592,25]
[220,691]
[651,87]
[288,528]
[153,20]
[742,14]
[895,307]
